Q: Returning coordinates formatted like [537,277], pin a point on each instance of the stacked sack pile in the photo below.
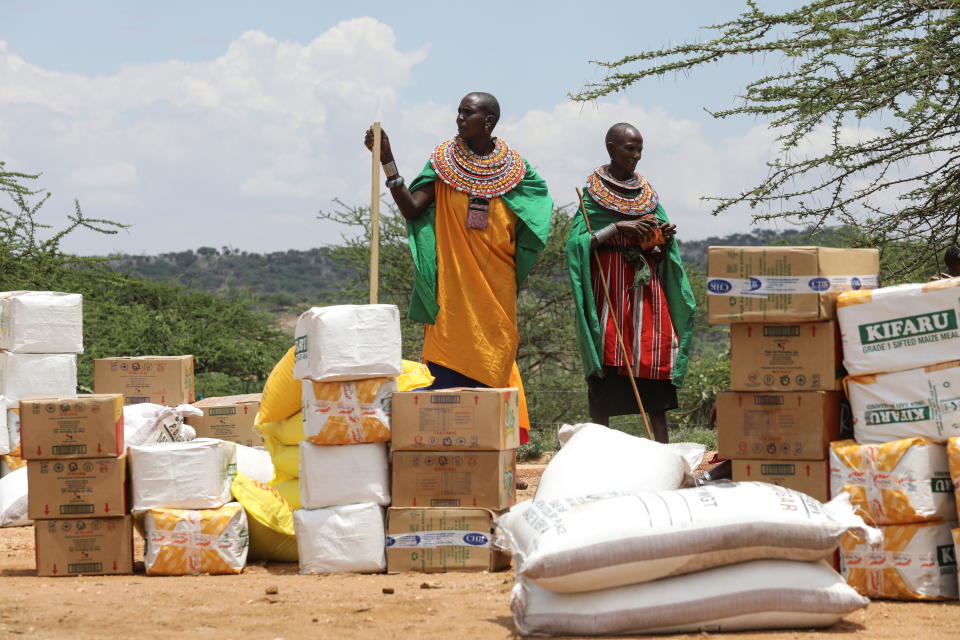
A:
[611,544]
[784,403]
[40,334]
[905,401]
[347,358]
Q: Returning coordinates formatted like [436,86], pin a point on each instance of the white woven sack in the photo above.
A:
[583,544]
[28,375]
[182,475]
[13,499]
[343,474]
[595,459]
[41,322]
[348,538]
[254,463]
[348,342]
[763,594]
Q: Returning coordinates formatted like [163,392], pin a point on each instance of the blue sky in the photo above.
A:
[232,123]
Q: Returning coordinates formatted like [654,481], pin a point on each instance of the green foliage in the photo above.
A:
[879,75]
[235,347]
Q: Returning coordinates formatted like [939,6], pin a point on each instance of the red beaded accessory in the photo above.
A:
[642,202]
[489,176]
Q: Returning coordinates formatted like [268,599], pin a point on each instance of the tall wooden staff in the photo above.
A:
[375,217]
[616,323]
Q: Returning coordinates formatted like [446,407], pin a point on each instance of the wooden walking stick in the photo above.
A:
[375,217]
[616,323]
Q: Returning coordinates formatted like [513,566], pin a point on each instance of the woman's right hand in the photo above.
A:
[386,154]
[640,229]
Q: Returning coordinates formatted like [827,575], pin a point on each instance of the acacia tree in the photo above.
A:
[852,66]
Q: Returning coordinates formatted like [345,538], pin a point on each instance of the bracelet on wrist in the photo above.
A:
[395,182]
[390,169]
[606,233]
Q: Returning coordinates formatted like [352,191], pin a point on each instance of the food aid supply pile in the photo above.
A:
[347,359]
[896,469]
[41,333]
[183,492]
[454,470]
[623,560]
[77,475]
[784,404]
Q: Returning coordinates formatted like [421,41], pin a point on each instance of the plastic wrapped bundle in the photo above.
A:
[182,475]
[343,539]
[182,542]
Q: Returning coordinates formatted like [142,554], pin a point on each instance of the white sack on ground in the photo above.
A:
[41,322]
[13,499]
[595,459]
[763,594]
[147,423]
[182,475]
[343,474]
[348,538]
[596,542]
[26,375]
[902,327]
[256,464]
[348,342]
[918,402]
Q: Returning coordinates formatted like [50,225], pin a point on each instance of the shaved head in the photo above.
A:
[487,102]
[618,131]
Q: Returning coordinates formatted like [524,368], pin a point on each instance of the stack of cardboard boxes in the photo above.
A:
[454,464]
[164,380]
[784,403]
[76,465]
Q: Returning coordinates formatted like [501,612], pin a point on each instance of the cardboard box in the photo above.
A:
[784,284]
[455,419]
[811,477]
[797,425]
[166,380]
[228,418]
[87,488]
[76,426]
[478,479]
[89,546]
[437,540]
[785,357]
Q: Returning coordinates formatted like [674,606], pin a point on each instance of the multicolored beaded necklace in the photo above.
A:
[642,202]
[486,176]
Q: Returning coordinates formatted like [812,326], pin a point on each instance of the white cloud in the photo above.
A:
[245,148]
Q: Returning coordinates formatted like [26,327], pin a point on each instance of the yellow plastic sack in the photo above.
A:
[896,482]
[415,375]
[270,519]
[347,412]
[953,462]
[289,431]
[281,393]
[285,458]
[289,490]
[181,542]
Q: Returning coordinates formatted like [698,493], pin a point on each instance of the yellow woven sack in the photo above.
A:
[270,519]
[290,491]
[286,462]
[281,393]
[415,375]
[289,431]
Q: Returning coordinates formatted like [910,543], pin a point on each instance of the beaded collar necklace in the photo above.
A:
[642,201]
[488,176]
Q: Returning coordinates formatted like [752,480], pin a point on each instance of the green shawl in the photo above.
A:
[679,295]
[528,200]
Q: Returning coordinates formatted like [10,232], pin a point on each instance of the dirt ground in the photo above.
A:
[451,606]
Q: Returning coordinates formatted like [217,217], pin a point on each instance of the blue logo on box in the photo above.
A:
[856,283]
[476,539]
[719,285]
[819,284]
[755,284]
[390,541]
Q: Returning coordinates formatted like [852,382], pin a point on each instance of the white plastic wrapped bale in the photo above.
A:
[24,375]
[912,562]
[348,342]
[182,542]
[41,322]
[597,542]
[254,463]
[9,425]
[595,459]
[343,539]
[343,474]
[895,482]
[921,402]
[903,327]
[182,475]
[763,594]
[147,423]
[13,499]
